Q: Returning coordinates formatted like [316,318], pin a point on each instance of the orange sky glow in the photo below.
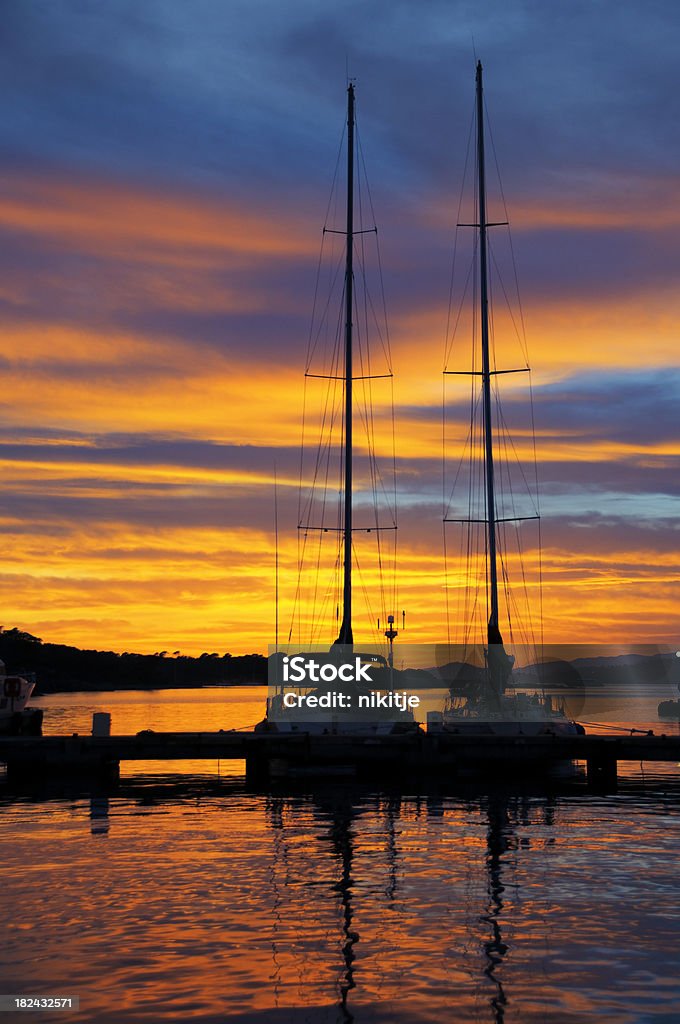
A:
[109,550]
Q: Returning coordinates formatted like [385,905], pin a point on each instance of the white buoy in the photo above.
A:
[101,723]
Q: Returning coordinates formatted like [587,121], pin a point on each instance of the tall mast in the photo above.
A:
[345,635]
[493,632]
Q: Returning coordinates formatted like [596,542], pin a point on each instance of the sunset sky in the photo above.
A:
[165,170]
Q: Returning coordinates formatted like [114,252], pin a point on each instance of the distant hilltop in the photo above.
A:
[59,668]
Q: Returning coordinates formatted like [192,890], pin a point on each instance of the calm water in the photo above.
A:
[195,899]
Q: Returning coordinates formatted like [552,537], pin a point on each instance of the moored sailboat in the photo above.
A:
[490,705]
[336,698]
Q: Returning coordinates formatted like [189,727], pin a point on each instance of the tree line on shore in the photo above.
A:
[59,668]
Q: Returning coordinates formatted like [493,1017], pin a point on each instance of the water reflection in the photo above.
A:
[346,904]
[334,813]
[341,840]
[342,846]
[495,949]
[99,815]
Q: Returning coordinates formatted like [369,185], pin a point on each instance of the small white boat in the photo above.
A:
[16,718]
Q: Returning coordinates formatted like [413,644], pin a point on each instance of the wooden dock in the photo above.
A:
[448,756]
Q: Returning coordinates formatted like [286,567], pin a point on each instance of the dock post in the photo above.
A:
[257,770]
[601,773]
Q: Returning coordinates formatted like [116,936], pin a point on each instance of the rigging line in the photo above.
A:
[518,461]
[379,332]
[471,534]
[323,458]
[538,510]
[472,538]
[444,508]
[465,540]
[314,303]
[367,412]
[316,620]
[464,595]
[315,617]
[312,343]
[332,277]
[512,248]
[386,343]
[316,623]
[520,613]
[373,470]
[508,489]
[447,611]
[447,345]
[367,601]
[541,627]
[446,587]
[533,436]
[461,306]
[334,184]
[322,427]
[506,582]
[324,418]
[323,449]
[366,408]
[334,265]
[323,321]
[300,541]
[377,485]
[324,503]
[466,447]
[525,623]
[328,206]
[362,178]
[367,417]
[520,338]
[531,633]
[324,614]
[474,612]
[276,560]
[333,587]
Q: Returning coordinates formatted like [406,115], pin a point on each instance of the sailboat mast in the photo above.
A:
[494,636]
[345,636]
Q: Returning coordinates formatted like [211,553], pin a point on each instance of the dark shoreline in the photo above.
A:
[59,668]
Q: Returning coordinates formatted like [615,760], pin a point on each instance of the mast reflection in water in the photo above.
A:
[494,948]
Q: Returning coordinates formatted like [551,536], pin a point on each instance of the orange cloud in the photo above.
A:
[143,223]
